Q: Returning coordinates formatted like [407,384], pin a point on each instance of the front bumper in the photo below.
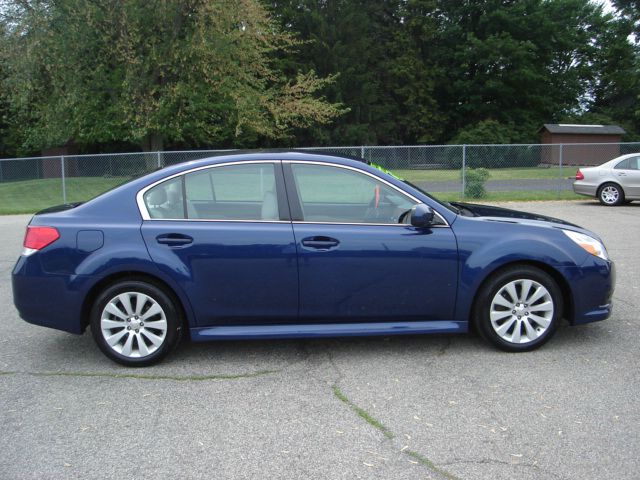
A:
[592,285]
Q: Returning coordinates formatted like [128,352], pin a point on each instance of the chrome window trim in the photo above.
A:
[375,177]
[295,222]
[146,217]
[145,213]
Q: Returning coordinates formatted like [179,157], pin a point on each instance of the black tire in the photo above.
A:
[499,281]
[170,314]
[611,194]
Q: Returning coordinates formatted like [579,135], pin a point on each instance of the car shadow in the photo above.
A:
[66,353]
[595,203]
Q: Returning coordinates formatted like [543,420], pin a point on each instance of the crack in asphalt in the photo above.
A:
[177,378]
[493,461]
[390,436]
[445,347]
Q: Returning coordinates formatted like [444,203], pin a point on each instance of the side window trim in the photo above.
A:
[283,205]
[293,195]
[185,210]
[281,192]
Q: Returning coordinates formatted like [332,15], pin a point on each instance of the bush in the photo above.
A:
[474,182]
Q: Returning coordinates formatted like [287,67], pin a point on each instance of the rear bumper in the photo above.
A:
[582,188]
[48,300]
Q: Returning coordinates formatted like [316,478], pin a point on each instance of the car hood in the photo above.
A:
[505,214]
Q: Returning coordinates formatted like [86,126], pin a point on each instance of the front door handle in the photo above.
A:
[174,239]
[320,242]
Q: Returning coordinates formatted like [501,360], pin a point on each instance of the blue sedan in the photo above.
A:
[282,245]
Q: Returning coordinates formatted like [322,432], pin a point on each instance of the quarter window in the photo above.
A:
[338,195]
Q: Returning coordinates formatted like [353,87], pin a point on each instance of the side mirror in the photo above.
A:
[422,215]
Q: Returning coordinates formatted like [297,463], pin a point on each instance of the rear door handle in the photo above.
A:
[320,242]
[174,239]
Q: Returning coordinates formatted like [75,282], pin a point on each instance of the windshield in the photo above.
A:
[446,205]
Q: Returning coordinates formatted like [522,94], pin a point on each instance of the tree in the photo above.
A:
[520,63]
[630,10]
[617,90]
[374,47]
[195,72]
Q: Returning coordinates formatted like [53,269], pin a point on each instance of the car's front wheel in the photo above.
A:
[135,323]
[519,308]
[611,195]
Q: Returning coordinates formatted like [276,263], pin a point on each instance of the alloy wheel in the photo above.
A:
[610,195]
[133,324]
[521,311]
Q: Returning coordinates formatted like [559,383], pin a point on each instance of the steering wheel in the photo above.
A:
[403,216]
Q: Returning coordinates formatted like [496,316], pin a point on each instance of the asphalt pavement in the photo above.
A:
[394,408]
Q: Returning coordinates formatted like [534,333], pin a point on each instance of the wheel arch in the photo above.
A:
[561,281]
[115,277]
[610,182]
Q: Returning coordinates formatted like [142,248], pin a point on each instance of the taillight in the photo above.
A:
[579,175]
[37,238]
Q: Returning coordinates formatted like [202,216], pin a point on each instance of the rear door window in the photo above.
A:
[628,164]
[166,200]
[232,192]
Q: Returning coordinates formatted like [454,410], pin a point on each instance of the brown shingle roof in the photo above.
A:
[585,129]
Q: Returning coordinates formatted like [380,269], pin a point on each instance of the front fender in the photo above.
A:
[485,247]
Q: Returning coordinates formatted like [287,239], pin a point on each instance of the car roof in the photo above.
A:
[305,155]
[617,159]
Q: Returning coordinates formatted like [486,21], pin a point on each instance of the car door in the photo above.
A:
[358,258]
[223,234]
[627,173]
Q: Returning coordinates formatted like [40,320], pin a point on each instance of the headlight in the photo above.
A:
[590,244]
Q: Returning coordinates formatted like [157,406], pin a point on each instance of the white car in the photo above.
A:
[613,183]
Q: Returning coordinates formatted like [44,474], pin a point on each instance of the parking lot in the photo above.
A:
[393,408]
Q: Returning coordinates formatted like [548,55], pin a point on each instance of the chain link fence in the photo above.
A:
[451,172]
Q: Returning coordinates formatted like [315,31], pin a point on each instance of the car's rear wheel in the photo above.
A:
[135,323]
[519,308]
[611,194]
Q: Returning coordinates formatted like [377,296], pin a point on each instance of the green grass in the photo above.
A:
[513,196]
[29,196]
[442,175]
